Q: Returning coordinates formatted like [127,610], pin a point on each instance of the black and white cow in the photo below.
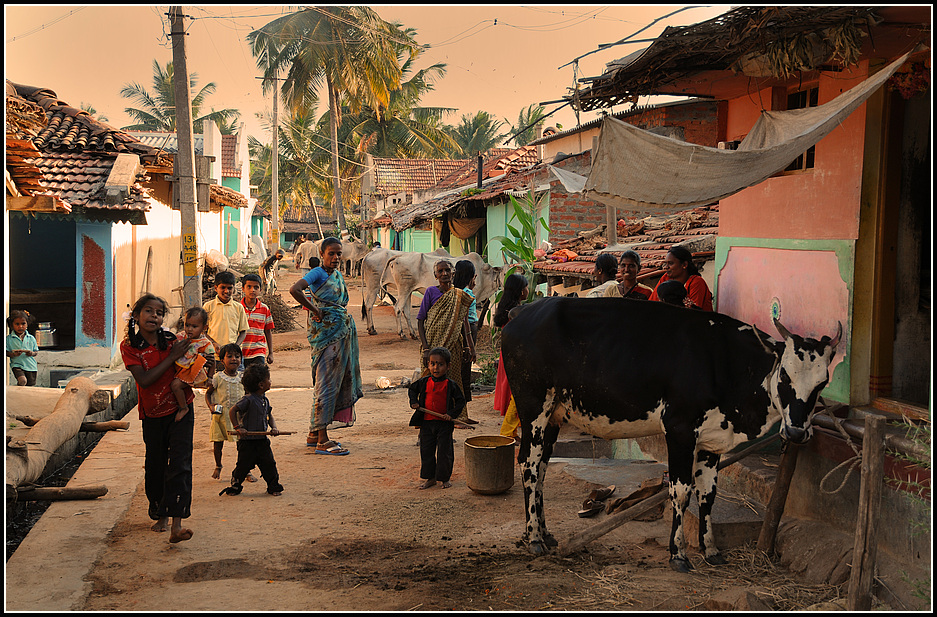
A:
[619,368]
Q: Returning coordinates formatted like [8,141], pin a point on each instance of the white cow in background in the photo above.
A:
[353,251]
[409,272]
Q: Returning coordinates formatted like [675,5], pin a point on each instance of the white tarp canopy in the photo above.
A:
[638,170]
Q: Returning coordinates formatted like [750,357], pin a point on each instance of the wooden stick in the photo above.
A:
[439,415]
[265,433]
[579,540]
[103,427]
[53,493]
[859,595]
[769,528]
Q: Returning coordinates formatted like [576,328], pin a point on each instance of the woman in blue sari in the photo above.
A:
[336,376]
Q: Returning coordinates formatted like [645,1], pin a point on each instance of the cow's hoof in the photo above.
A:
[680,564]
[550,541]
[716,560]
[537,548]
[372,331]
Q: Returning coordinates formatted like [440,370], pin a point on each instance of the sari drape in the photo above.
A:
[443,327]
[336,375]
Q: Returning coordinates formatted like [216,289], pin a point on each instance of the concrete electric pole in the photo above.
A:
[185,163]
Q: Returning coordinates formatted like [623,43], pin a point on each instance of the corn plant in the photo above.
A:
[518,249]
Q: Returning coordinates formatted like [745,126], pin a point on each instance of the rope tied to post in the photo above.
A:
[851,463]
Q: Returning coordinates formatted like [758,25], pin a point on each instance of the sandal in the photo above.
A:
[335,450]
[590,507]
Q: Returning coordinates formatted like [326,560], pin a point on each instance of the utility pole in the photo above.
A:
[275,193]
[185,163]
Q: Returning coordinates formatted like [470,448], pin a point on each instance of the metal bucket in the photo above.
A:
[46,335]
[489,464]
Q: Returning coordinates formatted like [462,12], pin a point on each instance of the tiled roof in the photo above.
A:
[78,180]
[229,145]
[411,175]
[496,162]
[70,156]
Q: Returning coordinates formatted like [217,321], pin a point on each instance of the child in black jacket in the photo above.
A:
[441,395]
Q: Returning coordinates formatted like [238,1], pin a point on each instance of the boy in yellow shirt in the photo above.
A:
[227,319]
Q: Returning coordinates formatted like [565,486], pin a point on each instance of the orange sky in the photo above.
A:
[87,54]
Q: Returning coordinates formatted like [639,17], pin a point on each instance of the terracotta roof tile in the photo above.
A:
[70,156]
[411,175]
[228,157]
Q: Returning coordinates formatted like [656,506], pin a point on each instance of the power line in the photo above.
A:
[47,24]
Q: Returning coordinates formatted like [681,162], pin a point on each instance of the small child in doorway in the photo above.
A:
[22,349]
[190,368]
[253,414]
[224,391]
[439,394]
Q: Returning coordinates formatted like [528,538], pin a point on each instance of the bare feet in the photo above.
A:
[180,534]
[217,473]
[427,484]
[250,478]
[181,413]
[446,484]
[161,525]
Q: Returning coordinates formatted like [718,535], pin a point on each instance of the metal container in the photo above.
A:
[47,335]
[489,464]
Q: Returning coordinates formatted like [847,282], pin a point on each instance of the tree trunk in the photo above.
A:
[315,210]
[37,403]
[334,112]
[48,435]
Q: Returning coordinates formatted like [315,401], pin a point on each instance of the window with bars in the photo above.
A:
[801,100]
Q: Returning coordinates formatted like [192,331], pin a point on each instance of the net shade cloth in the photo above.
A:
[636,169]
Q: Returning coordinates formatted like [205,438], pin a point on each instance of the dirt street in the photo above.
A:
[354,533]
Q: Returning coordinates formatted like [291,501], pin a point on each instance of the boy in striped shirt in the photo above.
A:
[258,342]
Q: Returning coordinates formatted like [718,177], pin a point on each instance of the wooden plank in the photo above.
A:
[859,596]
[909,410]
[36,203]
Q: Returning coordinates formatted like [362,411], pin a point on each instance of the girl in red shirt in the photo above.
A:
[150,353]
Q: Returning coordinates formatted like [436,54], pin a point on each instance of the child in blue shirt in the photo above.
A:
[22,349]
[464,278]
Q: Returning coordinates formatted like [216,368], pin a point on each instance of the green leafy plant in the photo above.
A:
[518,249]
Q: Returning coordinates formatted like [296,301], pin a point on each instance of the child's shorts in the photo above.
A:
[30,376]
[221,428]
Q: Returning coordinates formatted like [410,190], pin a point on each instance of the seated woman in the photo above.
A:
[680,267]
[604,273]
[629,264]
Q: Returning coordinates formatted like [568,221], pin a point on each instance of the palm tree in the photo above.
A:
[402,128]
[527,119]
[158,110]
[88,107]
[477,134]
[348,49]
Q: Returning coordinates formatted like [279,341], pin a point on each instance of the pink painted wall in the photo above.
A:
[811,302]
[822,204]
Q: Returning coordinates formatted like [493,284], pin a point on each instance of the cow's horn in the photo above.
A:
[782,329]
[839,335]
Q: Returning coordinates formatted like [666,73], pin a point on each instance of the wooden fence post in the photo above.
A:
[769,529]
[859,596]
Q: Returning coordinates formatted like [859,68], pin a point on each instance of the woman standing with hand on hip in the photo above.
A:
[336,375]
